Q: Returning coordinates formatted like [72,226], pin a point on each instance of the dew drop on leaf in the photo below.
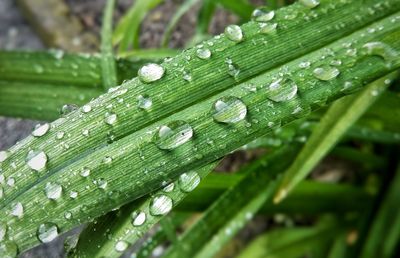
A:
[47,232]
[203,53]
[53,190]
[138,218]
[41,130]
[310,3]
[85,172]
[326,73]
[150,73]
[160,205]
[268,28]
[121,246]
[173,135]
[229,110]
[36,160]
[282,89]
[17,210]
[169,188]
[262,15]
[4,155]
[144,102]
[110,118]
[3,230]
[73,194]
[234,33]
[188,181]
[86,108]
[101,183]
[68,108]
[60,135]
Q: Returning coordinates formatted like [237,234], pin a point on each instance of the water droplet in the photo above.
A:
[169,188]
[310,3]
[85,132]
[268,28]
[189,181]
[173,134]
[8,249]
[47,232]
[57,53]
[138,218]
[60,135]
[144,102]
[11,181]
[203,53]
[121,246]
[68,108]
[229,110]
[382,50]
[86,108]
[4,155]
[73,194]
[234,33]
[101,183]
[17,210]
[326,73]
[53,191]
[41,130]
[282,89]
[187,75]
[36,160]
[85,172]
[110,118]
[160,205]
[262,15]
[3,230]
[305,64]
[150,73]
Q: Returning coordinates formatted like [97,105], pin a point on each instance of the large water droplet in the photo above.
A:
[41,130]
[173,135]
[110,118]
[150,73]
[36,160]
[282,89]
[234,33]
[4,155]
[47,232]
[382,50]
[144,102]
[189,181]
[203,53]
[138,218]
[262,15]
[326,73]
[53,191]
[17,210]
[229,110]
[121,246]
[160,205]
[310,3]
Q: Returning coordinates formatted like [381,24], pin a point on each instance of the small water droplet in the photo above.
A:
[68,108]
[268,28]
[310,3]
[144,102]
[173,134]
[47,232]
[169,188]
[3,230]
[4,155]
[17,210]
[60,135]
[85,172]
[73,194]
[41,130]
[86,108]
[189,181]
[11,181]
[203,53]
[67,215]
[150,73]
[160,205]
[326,73]
[234,33]
[36,160]
[282,89]
[138,218]
[121,246]
[101,183]
[53,191]
[110,118]
[262,15]
[229,110]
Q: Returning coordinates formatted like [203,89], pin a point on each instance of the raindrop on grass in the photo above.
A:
[4,155]
[326,73]
[36,160]
[101,183]
[229,110]
[310,3]
[17,210]
[189,181]
[110,118]
[138,218]
[160,205]
[86,108]
[150,73]
[85,172]
[47,232]
[173,135]
[68,108]
[169,188]
[144,102]
[234,33]
[121,246]
[53,191]
[262,15]
[41,130]
[282,89]
[267,28]
[203,53]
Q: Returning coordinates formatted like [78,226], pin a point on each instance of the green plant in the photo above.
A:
[145,145]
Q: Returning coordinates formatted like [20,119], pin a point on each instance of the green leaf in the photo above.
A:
[107,57]
[334,124]
[123,147]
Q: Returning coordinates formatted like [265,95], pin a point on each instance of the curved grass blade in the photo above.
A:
[334,124]
[107,57]
[115,164]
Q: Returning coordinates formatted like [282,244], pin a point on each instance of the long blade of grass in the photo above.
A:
[339,118]
[120,163]
[107,57]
